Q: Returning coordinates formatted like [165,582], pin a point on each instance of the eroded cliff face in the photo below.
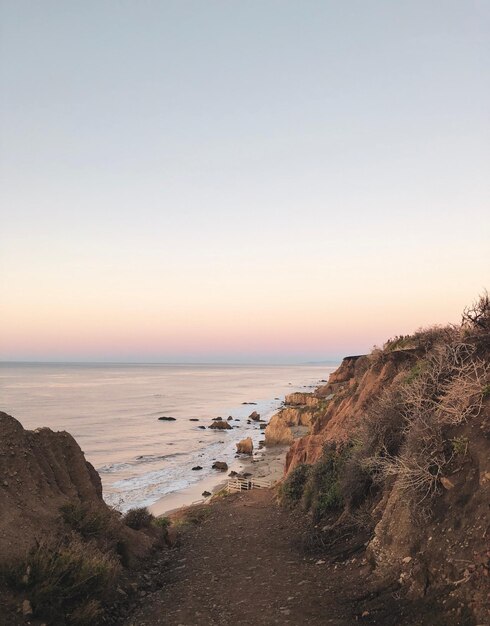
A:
[40,471]
[343,401]
[434,542]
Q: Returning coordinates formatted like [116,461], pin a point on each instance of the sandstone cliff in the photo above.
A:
[351,389]
[399,454]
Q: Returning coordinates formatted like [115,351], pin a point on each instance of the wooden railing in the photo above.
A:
[244,484]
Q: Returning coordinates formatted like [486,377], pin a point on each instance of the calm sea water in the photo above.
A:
[113,410]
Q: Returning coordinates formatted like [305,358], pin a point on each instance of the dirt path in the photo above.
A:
[242,565]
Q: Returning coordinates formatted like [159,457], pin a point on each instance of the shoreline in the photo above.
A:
[266,463]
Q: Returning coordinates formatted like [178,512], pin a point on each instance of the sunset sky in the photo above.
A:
[265,180]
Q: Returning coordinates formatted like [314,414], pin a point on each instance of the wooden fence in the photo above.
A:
[244,484]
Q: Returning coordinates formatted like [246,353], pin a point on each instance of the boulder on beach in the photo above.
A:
[217,419]
[165,418]
[230,418]
[193,419]
[220,426]
[220,465]
[196,468]
[254,416]
[206,494]
[202,427]
[233,473]
[245,446]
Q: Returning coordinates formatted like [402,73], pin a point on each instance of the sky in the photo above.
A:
[259,181]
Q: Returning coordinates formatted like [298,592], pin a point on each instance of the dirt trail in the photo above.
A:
[243,565]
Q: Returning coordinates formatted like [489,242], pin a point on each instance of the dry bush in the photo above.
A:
[138,518]
[419,465]
[355,483]
[66,582]
[89,520]
[450,387]
[404,436]
[477,316]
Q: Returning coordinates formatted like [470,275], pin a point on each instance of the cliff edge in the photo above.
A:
[398,455]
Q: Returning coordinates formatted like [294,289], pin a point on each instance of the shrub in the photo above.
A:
[161,522]
[447,390]
[355,482]
[138,518]
[67,581]
[477,316]
[322,493]
[460,445]
[87,520]
[293,486]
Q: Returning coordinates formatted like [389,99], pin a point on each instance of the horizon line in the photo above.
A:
[111,362]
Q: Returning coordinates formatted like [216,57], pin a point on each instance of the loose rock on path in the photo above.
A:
[241,563]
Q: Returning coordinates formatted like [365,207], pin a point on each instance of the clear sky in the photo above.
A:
[259,180]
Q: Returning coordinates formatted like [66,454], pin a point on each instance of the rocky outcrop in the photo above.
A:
[220,425]
[40,471]
[245,446]
[355,385]
[278,430]
[220,465]
[301,399]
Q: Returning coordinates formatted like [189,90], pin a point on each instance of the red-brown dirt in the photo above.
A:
[245,563]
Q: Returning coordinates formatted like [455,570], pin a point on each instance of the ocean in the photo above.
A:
[112,410]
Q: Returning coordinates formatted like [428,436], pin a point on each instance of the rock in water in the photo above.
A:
[165,418]
[254,416]
[220,426]
[196,468]
[220,465]
[245,446]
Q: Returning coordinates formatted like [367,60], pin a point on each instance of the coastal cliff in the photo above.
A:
[382,514]
[40,471]
[62,549]
[398,454]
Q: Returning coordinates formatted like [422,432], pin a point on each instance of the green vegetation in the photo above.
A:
[460,445]
[89,521]
[317,488]
[138,518]
[194,515]
[293,486]
[415,372]
[162,522]
[407,435]
[323,492]
[67,582]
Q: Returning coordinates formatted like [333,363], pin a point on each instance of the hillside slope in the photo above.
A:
[62,549]
[399,448]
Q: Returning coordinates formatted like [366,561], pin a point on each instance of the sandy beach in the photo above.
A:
[267,463]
